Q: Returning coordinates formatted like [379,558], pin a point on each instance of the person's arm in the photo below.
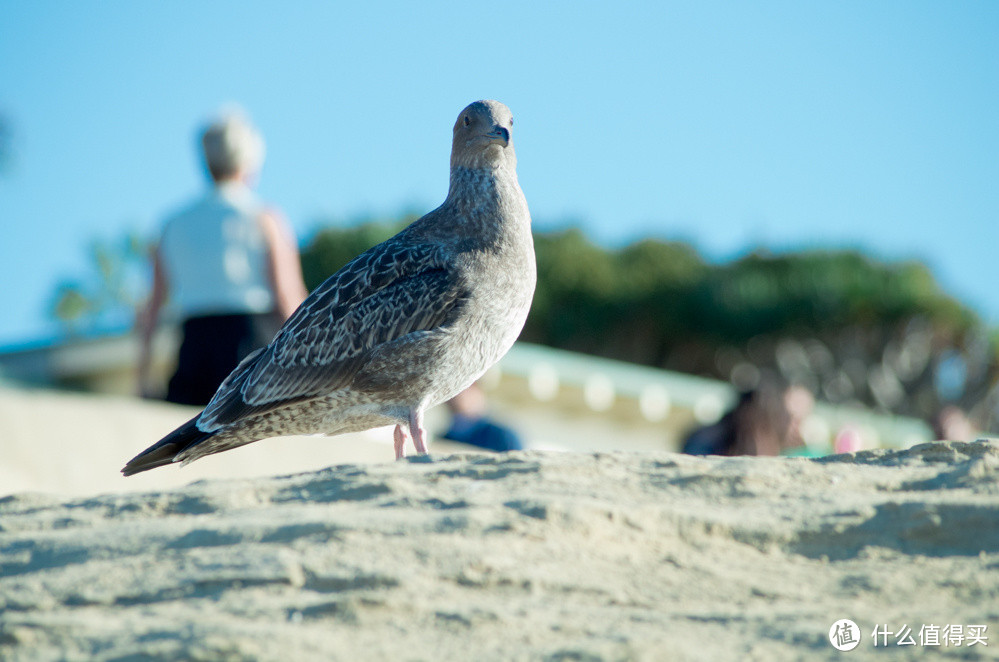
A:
[147,320]
[284,264]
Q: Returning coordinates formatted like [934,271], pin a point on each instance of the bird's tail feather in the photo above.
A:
[166,449]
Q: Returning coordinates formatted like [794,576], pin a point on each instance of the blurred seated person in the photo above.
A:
[470,425]
[229,265]
[799,404]
[761,423]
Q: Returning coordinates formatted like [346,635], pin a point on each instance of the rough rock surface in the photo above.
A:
[526,556]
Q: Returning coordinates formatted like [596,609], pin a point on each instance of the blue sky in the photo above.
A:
[872,125]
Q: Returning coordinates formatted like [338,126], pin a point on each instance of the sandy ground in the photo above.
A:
[525,556]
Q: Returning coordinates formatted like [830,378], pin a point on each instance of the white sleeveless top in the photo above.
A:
[215,256]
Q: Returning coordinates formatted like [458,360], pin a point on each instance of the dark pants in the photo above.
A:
[213,346]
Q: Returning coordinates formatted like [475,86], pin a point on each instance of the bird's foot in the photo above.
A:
[400,442]
[416,429]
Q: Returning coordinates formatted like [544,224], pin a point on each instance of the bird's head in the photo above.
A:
[483,136]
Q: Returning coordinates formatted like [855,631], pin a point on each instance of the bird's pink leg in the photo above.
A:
[417,431]
[400,442]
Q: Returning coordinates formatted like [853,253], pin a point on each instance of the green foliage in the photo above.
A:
[111,290]
[71,305]
[586,293]
[812,291]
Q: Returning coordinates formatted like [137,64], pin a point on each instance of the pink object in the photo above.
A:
[848,440]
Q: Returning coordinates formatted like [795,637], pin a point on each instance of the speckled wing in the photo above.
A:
[384,294]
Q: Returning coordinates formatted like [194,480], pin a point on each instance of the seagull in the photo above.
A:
[404,326]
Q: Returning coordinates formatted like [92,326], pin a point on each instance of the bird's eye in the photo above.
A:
[467,121]
[511,121]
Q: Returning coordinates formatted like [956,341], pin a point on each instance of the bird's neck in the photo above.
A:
[490,200]
[479,189]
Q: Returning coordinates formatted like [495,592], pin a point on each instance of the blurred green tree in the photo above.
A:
[112,290]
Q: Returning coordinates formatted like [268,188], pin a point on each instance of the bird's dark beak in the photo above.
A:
[500,135]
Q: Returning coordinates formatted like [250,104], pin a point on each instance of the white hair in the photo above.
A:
[232,146]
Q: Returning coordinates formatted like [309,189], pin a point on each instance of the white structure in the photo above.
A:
[555,399]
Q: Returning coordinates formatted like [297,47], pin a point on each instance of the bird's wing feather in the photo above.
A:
[382,295]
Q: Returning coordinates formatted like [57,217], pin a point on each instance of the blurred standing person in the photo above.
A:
[227,262]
